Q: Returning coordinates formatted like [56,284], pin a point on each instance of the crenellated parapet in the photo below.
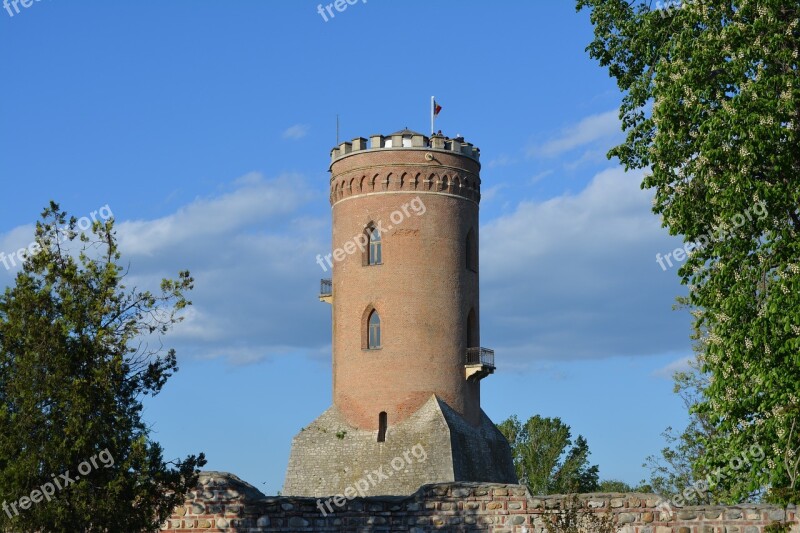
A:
[405,161]
[407,139]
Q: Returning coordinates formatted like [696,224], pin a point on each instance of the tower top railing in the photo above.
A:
[407,139]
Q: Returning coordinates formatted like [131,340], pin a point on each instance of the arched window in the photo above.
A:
[471,250]
[374,251]
[374,331]
[382,423]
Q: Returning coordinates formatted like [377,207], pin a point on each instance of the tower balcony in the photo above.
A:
[479,363]
[326,291]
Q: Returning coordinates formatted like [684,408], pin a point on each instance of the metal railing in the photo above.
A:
[480,356]
[325,288]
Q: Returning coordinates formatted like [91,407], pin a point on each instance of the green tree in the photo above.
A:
[614,485]
[73,367]
[545,457]
[674,470]
[710,106]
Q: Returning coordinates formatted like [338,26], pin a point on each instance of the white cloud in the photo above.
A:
[567,278]
[12,242]
[679,365]
[587,131]
[252,254]
[254,199]
[540,176]
[574,277]
[251,251]
[502,160]
[490,193]
[298,131]
[592,156]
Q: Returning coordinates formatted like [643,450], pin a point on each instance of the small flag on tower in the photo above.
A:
[435,109]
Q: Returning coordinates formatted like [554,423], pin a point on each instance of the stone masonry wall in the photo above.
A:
[328,455]
[224,503]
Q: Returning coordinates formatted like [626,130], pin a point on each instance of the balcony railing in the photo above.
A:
[325,290]
[480,356]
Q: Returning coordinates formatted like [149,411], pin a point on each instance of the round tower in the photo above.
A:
[407,359]
[405,277]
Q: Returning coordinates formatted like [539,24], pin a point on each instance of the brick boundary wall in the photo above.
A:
[224,503]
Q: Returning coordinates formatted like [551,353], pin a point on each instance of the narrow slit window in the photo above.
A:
[382,426]
[471,249]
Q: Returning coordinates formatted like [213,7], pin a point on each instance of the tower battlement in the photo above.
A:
[407,139]
[405,161]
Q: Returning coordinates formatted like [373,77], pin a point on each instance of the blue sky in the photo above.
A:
[206,128]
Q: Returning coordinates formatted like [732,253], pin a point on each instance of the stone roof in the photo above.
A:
[407,131]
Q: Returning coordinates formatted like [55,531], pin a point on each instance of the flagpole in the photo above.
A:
[432,112]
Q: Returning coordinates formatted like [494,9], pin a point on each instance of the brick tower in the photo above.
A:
[407,361]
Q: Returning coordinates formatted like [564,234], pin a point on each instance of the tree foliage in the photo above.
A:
[710,108]
[673,472]
[546,459]
[73,367]
[616,485]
